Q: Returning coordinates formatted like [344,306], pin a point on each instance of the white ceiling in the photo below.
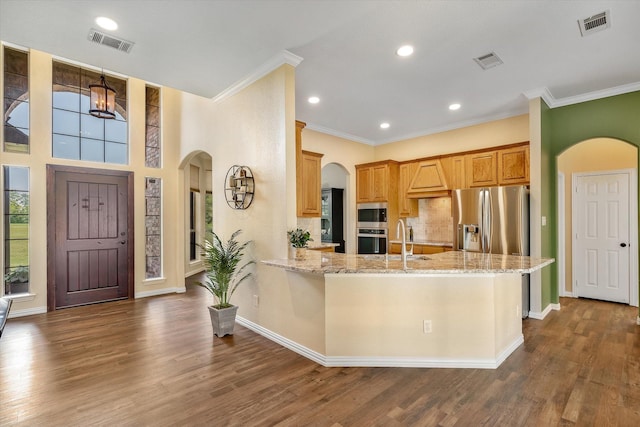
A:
[348,50]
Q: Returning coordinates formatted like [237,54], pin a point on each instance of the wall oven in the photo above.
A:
[372,240]
[372,215]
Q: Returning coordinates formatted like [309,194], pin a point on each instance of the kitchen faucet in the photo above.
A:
[404,242]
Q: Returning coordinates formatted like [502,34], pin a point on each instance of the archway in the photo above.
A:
[198,207]
[335,176]
[591,156]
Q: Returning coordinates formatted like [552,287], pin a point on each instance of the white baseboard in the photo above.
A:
[379,362]
[26,312]
[568,294]
[543,314]
[161,291]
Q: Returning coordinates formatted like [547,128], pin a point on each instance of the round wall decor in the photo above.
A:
[239,187]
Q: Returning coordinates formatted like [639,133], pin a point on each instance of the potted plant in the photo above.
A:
[299,239]
[223,276]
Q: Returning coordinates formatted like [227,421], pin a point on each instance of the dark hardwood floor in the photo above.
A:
[155,362]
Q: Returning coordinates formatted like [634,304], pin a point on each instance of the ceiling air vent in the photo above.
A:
[594,23]
[489,60]
[107,40]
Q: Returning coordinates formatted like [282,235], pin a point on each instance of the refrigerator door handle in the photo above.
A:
[489,219]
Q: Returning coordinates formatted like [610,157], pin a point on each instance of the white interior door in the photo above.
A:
[601,236]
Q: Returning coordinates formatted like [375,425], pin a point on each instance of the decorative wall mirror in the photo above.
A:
[239,187]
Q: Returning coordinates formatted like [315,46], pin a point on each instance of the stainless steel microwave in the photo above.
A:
[372,215]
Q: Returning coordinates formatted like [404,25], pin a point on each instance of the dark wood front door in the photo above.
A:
[92,233]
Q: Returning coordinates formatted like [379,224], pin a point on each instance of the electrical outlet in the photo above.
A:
[426,327]
[256,301]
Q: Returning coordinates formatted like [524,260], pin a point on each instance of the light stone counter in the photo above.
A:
[447,310]
[452,262]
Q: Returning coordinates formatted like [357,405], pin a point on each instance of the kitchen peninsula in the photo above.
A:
[451,309]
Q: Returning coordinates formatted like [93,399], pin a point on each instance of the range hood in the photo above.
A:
[429,180]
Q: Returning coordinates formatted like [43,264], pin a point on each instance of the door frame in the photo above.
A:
[633,227]
[51,225]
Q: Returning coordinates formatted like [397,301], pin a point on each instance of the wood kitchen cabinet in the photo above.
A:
[308,178]
[377,182]
[482,169]
[513,165]
[406,207]
[457,175]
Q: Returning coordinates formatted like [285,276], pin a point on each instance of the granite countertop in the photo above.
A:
[425,243]
[451,262]
[323,245]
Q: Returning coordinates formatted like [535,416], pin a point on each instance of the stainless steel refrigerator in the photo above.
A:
[493,220]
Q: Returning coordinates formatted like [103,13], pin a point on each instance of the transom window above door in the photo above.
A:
[77,135]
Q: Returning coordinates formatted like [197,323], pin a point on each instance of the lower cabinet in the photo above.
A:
[396,248]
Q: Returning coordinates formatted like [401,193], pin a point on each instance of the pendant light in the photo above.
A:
[103,100]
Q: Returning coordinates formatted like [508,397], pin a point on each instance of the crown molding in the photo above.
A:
[553,102]
[284,57]
[339,134]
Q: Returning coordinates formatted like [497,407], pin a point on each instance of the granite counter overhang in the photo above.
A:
[453,262]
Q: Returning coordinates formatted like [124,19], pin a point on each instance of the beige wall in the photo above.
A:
[598,154]
[347,154]
[255,128]
[491,134]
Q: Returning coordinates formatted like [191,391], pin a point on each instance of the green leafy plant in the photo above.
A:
[223,272]
[299,238]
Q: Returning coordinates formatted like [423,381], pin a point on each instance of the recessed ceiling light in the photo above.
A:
[384,125]
[106,23]
[313,100]
[405,50]
[454,107]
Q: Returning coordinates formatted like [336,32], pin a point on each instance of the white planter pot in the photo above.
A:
[223,320]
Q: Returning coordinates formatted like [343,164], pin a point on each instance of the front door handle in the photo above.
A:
[122,242]
[623,245]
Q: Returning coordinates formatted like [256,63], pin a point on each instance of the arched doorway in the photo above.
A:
[335,176]
[592,160]
[198,207]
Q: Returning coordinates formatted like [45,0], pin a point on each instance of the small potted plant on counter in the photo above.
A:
[223,276]
[299,240]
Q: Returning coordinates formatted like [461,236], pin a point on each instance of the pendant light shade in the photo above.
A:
[103,100]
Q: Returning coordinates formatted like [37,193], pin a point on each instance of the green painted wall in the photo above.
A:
[613,117]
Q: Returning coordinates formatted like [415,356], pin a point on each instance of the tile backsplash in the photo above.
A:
[435,222]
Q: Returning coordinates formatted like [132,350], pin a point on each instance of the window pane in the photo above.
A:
[115,153]
[66,122]
[18,203]
[116,131]
[17,227]
[65,99]
[92,150]
[152,157]
[91,127]
[16,178]
[66,147]
[17,253]
[16,113]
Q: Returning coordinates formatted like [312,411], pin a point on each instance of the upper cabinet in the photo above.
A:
[376,182]
[482,169]
[513,165]
[406,207]
[308,178]
[429,180]
[457,173]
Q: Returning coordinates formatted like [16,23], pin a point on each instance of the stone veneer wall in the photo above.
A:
[435,222]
